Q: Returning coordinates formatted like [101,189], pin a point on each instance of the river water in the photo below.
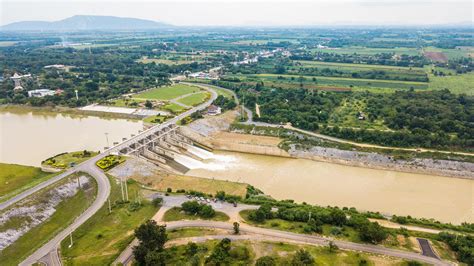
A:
[390,192]
[27,138]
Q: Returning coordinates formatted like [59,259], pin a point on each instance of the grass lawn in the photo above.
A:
[195,99]
[345,233]
[155,119]
[128,102]
[175,214]
[101,239]
[369,51]
[17,178]
[167,93]
[188,183]
[174,108]
[191,232]
[65,213]
[458,83]
[247,252]
[63,161]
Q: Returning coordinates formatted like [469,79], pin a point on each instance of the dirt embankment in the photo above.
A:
[214,132]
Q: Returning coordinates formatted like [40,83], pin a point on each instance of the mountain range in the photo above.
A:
[84,23]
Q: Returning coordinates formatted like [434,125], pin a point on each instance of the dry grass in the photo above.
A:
[205,185]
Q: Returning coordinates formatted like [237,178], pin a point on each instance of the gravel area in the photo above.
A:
[35,210]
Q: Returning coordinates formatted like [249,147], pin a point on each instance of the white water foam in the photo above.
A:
[211,161]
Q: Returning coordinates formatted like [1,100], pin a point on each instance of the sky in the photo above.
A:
[249,13]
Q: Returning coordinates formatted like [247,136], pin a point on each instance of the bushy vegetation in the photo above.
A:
[463,245]
[109,162]
[316,217]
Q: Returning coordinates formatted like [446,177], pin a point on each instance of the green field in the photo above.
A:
[66,212]
[101,239]
[451,53]
[368,51]
[174,108]
[457,83]
[167,93]
[195,99]
[338,82]
[69,159]
[175,214]
[247,252]
[16,178]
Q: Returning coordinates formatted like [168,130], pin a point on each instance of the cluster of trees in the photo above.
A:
[316,217]
[431,119]
[225,103]
[389,59]
[463,245]
[196,208]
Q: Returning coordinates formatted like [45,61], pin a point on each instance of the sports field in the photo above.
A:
[167,93]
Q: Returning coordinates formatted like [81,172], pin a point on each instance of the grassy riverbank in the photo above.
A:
[74,112]
[16,178]
[101,239]
[66,212]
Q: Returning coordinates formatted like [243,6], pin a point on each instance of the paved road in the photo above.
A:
[426,248]
[263,233]
[48,253]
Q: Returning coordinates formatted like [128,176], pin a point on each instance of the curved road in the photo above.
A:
[258,233]
[49,250]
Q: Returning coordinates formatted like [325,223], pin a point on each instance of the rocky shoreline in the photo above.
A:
[380,161]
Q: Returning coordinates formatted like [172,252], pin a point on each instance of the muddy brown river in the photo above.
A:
[390,192]
[27,138]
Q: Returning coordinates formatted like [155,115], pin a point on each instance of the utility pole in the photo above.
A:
[79,182]
[121,189]
[126,189]
[110,208]
[309,219]
[70,237]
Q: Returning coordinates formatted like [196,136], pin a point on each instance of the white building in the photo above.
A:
[41,93]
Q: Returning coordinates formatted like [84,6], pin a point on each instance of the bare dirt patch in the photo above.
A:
[436,56]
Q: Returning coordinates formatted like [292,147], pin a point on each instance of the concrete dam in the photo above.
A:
[169,149]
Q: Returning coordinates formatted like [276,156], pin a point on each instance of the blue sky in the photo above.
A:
[247,12]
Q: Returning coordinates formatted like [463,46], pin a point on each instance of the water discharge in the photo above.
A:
[390,192]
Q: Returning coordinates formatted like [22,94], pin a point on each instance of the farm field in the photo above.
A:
[167,93]
[16,178]
[165,61]
[458,83]
[194,99]
[451,53]
[340,82]
[368,51]
[363,70]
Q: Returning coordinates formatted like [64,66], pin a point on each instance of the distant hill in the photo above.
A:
[79,23]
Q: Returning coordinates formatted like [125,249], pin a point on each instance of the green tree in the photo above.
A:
[302,258]
[207,211]
[373,233]
[152,238]
[148,104]
[236,228]
[265,261]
